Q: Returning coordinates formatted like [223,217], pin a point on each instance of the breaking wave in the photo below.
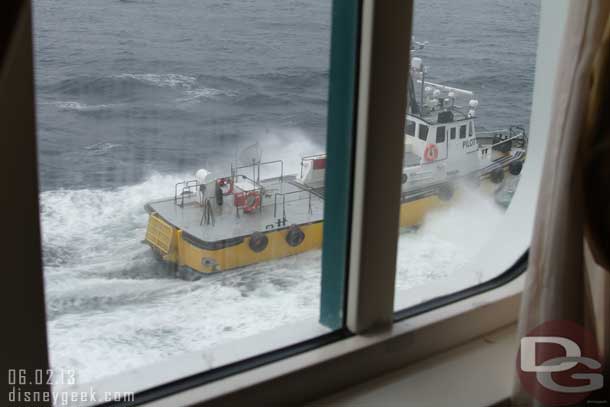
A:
[449,238]
[101,148]
[123,87]
[162,80]
[99,275]
[82,107]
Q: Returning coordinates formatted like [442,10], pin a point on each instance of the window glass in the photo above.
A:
[410,128]
[182,167]
[463,131]
[440,134]
[450,217]
[423,132]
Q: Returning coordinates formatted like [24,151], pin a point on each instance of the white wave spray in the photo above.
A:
[112,307]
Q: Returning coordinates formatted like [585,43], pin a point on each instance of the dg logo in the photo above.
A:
[558,363]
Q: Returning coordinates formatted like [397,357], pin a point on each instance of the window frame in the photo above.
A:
[340,144]
[383,75]
[23,289]
[343,360]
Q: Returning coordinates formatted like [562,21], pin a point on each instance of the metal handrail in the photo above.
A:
[284,194]
[513,132]
[260,164]
[310,158]
[187,186]
[493,132]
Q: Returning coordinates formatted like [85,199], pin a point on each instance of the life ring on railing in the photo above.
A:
[223,182]
[252,201]
[431,152]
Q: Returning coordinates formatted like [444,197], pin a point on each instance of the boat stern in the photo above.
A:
[161,237]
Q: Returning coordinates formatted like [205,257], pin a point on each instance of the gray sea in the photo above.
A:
[136,95]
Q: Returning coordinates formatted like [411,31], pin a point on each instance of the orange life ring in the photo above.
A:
[431,152]
[252,201]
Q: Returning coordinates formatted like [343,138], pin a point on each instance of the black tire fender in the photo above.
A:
[515,167]
[295,236]
[188,274]
[497,175]
[445,192]
[258,242]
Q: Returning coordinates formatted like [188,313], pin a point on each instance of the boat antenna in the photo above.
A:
[415,47]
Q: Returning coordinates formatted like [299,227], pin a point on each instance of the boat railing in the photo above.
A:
[256,186]
[459,99]
[503,139]
[299,197]
[256,169]
[186,189]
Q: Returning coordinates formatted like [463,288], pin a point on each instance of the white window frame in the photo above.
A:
[377,344]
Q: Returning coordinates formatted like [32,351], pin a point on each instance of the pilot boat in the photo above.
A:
[214,224]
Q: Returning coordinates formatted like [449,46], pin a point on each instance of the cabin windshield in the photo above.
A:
[411,128]
[423,132]
[440,134]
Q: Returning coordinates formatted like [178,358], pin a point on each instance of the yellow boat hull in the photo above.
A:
[174,246]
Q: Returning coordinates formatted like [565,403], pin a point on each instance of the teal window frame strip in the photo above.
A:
[342,98]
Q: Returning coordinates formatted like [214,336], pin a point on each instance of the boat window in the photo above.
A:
[463,131]
[410,128]
[446,237]
[440,134]
[423,132]
[208,144]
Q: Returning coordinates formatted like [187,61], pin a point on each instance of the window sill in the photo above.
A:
[440,380]
[353,360]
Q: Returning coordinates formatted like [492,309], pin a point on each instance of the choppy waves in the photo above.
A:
[112,307]
[128,95]
[129,88]
[106,292]
[82,107]
[162,80]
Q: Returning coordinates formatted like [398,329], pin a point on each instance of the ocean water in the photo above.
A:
[136,95]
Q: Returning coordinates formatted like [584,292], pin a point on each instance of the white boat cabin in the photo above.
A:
[435,152]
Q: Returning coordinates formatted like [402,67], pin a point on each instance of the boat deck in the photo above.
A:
[282,197]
